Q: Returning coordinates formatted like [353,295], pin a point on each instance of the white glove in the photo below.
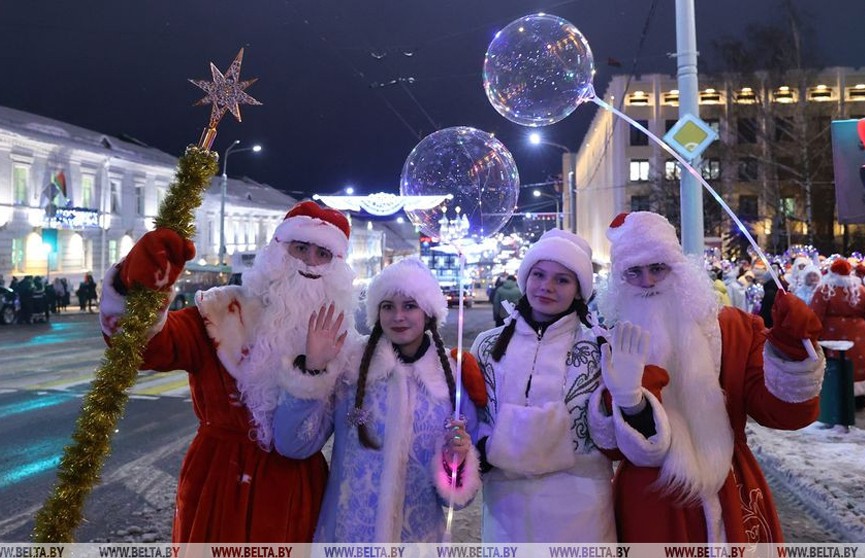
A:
[622,365]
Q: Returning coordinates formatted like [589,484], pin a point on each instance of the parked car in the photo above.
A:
[10,307]
[453,299]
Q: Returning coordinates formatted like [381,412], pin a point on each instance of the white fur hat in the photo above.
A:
[309,222]
[565,248]
[409,277]
[642,238]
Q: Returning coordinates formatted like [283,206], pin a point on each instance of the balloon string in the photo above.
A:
[458,379]
[699,177]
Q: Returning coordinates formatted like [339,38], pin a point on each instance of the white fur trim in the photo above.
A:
[470,478]
[601,427]
[394,452]
[564,248]
[410,277]
[304,228]
[112,307]
[229,315]
[793,381]
[715,531]
[642,451]
[644,238]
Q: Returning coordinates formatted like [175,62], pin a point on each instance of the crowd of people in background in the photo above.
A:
[37,298]
[831,285]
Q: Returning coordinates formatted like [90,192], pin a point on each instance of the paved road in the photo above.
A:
[45,369]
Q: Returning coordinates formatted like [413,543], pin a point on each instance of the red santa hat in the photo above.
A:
[840,267]
[565,248]
[308,222]
[408,277]
[642,238]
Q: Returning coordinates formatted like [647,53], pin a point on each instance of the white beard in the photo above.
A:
[681,316]
[280,334]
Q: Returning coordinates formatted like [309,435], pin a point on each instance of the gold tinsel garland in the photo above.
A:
[103,406]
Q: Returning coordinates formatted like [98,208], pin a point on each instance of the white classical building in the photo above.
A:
[74,201]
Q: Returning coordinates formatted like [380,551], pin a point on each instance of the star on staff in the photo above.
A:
[225,92]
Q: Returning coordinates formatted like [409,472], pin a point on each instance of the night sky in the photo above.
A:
[349,87]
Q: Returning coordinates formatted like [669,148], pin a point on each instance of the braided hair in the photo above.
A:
[363,433]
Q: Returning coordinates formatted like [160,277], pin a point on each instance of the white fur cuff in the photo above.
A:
[112,307]
[301,385]
[793,381]
[601,427]
[469,478]
[642,451]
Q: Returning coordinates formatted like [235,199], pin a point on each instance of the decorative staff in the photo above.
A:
[104,404]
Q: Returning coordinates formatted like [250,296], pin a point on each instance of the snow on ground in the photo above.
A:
[824,467]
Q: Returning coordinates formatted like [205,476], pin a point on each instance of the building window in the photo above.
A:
[710,96]
[821,93]
[714,124]
[745,96]
[639,170]
[788,206]
[139,200]
[115,197]
[747,130]
[638,137]
[783,128]
[672,170]
[748,169]
[638,98]
[87,186]
[18,254]
[640,203]
[856,93]
[112,251]
[668,124]
[711,169]
[785,94]
[748,207]
[671,98]
[20,179]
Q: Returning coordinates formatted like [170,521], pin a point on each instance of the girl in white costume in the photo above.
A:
[544,480]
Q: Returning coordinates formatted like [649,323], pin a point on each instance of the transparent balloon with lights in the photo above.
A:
[538,69]
[474,176]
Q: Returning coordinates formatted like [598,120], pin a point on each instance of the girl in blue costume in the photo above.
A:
[389,406]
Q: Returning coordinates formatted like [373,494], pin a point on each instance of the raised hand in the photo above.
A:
[457,441]
[793,321]
[156,260]
[622,364]
[323,340]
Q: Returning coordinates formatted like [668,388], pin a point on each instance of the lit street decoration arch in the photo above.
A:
[382,203]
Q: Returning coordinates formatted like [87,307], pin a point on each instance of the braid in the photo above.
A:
[362,431]
[446,365]
[583,313]
[505,336]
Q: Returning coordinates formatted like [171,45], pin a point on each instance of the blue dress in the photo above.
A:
[396,493]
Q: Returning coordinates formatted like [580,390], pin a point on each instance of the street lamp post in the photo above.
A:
[228,151]
[539,194]
[536,139]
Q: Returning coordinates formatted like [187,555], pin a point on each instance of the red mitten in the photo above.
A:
[473,379]
[793,321]
[156,260]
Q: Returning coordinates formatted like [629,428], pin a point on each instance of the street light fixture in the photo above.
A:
[536,139]
[231,149]
[539,194]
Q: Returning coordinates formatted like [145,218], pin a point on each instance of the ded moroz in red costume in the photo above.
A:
[692,477]
[236,343]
